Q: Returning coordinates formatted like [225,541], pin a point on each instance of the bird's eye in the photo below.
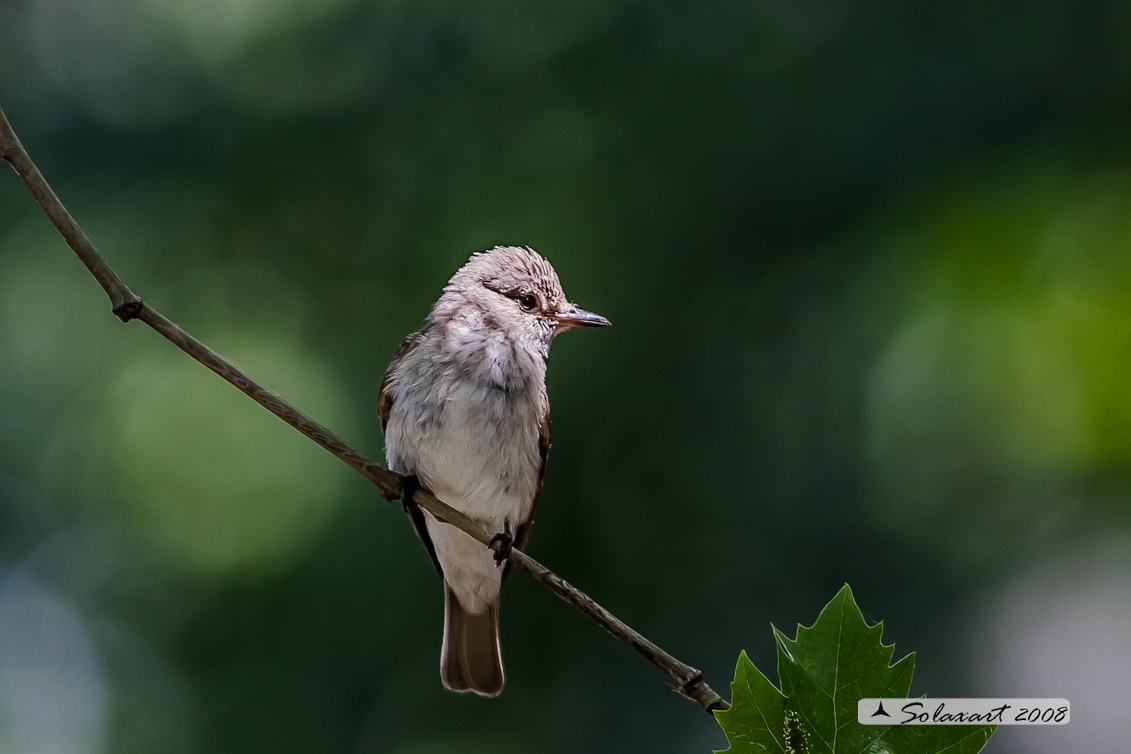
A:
[528,302]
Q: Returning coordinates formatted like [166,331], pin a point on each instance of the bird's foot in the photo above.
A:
[410,485]
[501,544]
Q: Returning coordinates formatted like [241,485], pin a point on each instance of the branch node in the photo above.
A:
[689,687]
[695,689]
[129,309]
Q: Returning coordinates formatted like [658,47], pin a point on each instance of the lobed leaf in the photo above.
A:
[824,672]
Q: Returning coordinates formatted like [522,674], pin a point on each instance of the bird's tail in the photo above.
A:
[470,659]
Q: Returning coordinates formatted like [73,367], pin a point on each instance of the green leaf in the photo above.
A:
[830,667]
[755,721]
[933,739]
[824,672]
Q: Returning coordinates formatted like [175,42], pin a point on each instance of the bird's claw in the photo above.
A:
[410,485]
[501,544]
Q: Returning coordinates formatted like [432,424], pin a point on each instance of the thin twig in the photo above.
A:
[127,305]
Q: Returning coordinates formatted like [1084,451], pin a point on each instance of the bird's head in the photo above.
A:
[515,292]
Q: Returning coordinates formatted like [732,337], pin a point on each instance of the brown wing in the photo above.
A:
[522,531]
[384,399]
[384,407]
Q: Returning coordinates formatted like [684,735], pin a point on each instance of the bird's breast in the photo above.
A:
[472,443]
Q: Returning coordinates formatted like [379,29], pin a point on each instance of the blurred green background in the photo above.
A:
[869,267]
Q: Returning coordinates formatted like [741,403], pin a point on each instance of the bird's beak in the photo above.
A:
[572,316]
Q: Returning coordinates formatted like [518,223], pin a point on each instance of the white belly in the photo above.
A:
[477,450]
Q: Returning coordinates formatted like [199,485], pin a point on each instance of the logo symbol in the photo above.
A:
[880,711]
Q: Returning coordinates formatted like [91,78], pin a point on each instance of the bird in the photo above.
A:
[465,415]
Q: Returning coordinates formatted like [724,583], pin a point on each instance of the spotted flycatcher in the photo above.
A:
[466,416]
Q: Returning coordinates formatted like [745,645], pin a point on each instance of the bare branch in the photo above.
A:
[127,305]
